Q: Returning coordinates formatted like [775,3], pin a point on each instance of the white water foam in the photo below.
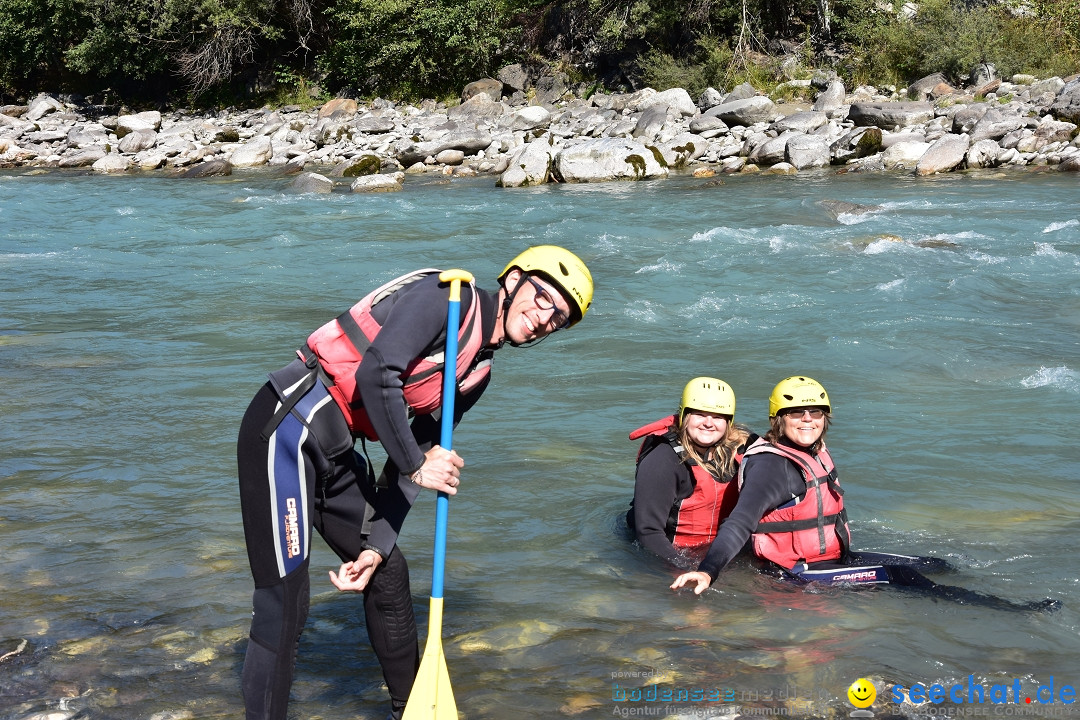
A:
[1055,226]
[1058,377]
[891,285]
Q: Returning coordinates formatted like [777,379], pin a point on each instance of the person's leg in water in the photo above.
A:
[903,571]
[275,504]
[340,508]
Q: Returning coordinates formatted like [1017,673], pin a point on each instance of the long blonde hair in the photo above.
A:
[720,461]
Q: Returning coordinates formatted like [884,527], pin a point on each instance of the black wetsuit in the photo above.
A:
[771,480]
[662,481]
[304,472]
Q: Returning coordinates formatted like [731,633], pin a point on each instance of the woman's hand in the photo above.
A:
[703,581]
[355,574]
[441,471]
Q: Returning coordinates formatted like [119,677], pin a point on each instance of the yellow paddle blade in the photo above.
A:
[432,698]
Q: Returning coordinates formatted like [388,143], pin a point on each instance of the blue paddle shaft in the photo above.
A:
[442,502]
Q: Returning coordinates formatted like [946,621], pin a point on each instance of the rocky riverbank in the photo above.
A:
[525,136]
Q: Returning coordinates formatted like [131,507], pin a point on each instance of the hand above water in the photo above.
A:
[702,580]
[356,574]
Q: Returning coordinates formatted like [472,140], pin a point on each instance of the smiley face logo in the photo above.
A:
[862,693]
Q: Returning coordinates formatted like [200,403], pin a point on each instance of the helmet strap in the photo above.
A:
[506,303]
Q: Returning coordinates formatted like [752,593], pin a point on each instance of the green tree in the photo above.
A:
[412,47]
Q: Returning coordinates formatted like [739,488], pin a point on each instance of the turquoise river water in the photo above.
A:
[139,315]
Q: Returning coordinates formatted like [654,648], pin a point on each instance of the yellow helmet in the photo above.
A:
[564,269]
[707,394]
[798,391]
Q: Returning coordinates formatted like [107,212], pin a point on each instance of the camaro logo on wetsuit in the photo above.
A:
[292,528]
[857,577]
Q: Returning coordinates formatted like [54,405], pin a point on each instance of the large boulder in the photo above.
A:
[253,153]
[677,99]
[489,86]
[310,182]
[379,183]
[946,153]
[858,142]
[983,154]
[904,155]
[1067,104]
[609,159]
[112,163]
[137,141]
[831,100]
[210,168]
[889,115]
[808,151]
[81,158]
[340,108]
[996,124]
[469,141]
[805,122]
[149,120]
[531,164]
[651,122]
[476,109]
[745,112]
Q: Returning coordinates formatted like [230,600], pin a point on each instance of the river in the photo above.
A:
[138,315]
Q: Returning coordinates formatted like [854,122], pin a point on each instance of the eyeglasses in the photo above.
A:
[545,301]
[799,413]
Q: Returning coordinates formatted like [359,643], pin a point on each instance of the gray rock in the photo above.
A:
[255,152]
[468,142]
[803,122]
[904,155]
[310,182]
[889,115]
[745,112]
[1067,105]
[1053,85]
[150,120]
[982,74]
[831,100]
[995,124]
[363,164]
[450,157]
[210,168]
[82,158]
[137,141]
[477,108]
[490,86]
[945,154]
[608,159]
[890,139]
[379,183]
[518,77]
[966,117]
[651,122]
[710,98]
[856,143]
[808,151]
[922,88]
[678,100]
[741,92]
[41,106]
[551,88]
[532,117]
[983,154]
[374,124]
[531,164]
[708,126]
[112,163]
[772,151]
[1051,131]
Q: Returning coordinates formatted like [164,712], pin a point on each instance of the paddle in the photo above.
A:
[432,698]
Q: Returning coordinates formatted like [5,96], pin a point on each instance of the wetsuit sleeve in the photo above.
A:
[768,483]
[394,501]
[414,321]
[654,496]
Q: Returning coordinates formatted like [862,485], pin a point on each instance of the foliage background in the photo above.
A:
[244,51]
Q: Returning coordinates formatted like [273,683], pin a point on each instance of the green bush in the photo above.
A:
[412,48]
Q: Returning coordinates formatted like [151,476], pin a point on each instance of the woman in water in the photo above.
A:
[686,467]
[791,507]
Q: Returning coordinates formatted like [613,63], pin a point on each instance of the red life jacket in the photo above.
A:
[813,526]
[694,519]
[339,346]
